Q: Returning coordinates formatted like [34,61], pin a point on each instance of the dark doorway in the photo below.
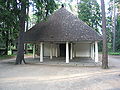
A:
[62,50]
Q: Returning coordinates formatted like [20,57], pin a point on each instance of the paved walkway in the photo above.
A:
[52,77]
[83,61]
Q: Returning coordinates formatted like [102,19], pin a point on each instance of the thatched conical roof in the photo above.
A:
[60,27]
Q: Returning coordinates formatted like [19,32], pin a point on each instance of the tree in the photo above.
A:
[8,23]
[118,29]
[113,19]
[44,8]
[104,48]
[20,53]
[114,24]
[26,24]
[89,12]
[118,34]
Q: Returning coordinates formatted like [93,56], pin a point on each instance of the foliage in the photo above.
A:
[10,12]
[118,34]
[6,57]
[111,21]
[8,22]
[89,12]
[114,53]
[44,8]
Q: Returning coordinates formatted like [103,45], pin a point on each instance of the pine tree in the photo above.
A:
[104,48]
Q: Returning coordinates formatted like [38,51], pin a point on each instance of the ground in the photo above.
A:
[57,77]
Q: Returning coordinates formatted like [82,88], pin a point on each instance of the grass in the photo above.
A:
[2,57]
[6,57]
[28,54]
[114,53]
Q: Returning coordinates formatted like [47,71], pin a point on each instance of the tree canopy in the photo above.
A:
[89,12]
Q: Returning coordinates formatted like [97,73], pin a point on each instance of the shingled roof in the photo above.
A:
[60,27]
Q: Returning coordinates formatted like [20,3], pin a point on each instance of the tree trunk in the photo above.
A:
[114,25]
[7,33]
[104,48]
[6,43]
[20,53]
[27,27]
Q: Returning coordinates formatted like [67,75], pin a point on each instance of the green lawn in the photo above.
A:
[114,53]
[6,57]
[10,56]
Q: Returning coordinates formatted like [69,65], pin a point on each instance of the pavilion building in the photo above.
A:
[64,35]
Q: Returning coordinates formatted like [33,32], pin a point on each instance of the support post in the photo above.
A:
[96,51]
[51,51]
[74,50]
[71,52]
[67,52]
[92,51]
[34,51]
[41,52]
[56,51]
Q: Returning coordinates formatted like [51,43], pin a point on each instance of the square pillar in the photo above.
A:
[74,51]
[56,51]
[41,52]
[67,52]
[51,51]
[96,51]
[71,51]
[92,51]
[34,51]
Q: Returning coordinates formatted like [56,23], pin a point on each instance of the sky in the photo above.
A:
[74,11]
[106,4]
[75,2]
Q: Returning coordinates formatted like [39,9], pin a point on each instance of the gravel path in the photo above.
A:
[50,77]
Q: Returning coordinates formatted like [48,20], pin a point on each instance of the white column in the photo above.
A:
[92,51]
[71,52]
[67,52]
[51,51]
[56,52]
[34,51]
[41,52]
[74,51]
[96,51]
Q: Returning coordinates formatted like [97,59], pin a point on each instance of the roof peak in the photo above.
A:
[62,5]
[62,26]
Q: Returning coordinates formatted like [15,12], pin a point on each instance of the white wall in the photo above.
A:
[82,49]
[47,47]
[53,49]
